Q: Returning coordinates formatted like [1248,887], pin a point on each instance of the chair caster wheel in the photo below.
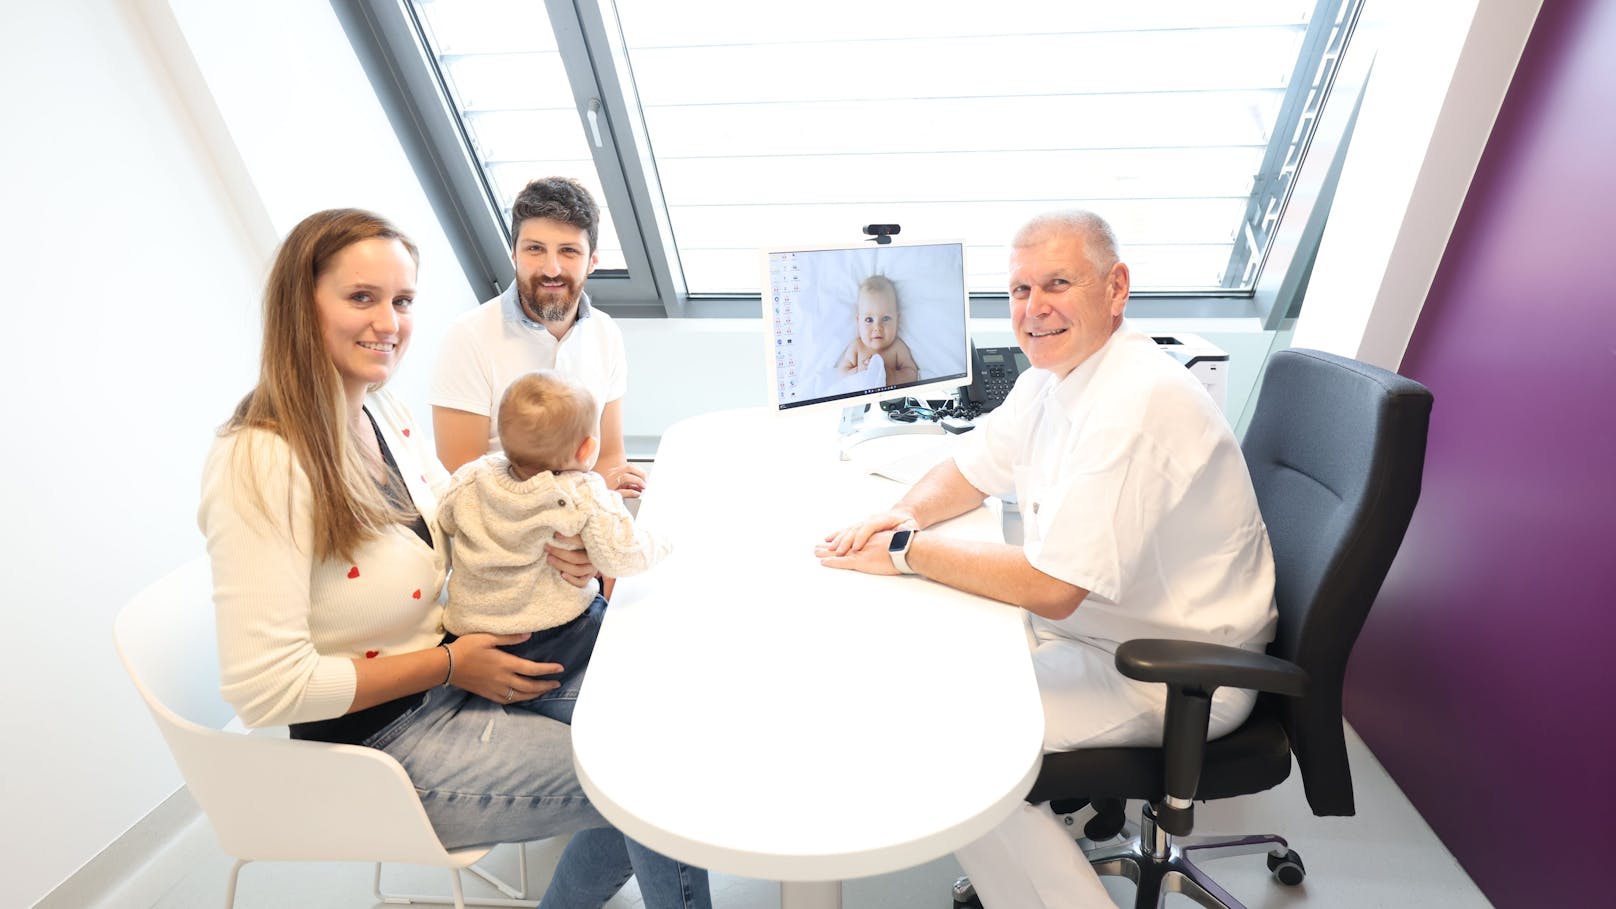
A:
[1287,868]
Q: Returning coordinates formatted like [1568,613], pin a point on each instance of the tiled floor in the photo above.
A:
[1384,857]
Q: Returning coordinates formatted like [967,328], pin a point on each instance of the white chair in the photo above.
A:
[272,798]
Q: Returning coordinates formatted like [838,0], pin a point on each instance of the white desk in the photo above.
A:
[750,711]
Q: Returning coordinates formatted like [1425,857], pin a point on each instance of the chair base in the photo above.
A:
[1159,863]
[516,897]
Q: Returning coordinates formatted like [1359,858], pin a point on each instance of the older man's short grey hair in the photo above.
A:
[1098,237]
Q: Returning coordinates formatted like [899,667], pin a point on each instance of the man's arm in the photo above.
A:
[939,495]
[996,570]
[613,464]
[462,436]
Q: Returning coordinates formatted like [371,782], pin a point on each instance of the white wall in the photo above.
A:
[286,102]
[129,334]
[153,153]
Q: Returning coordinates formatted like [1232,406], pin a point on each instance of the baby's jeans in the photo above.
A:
[570,645]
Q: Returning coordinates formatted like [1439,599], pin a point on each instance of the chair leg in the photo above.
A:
[457,897]
[1195,884]
[1109,855]
[1155,878]
[230,888]
[1206,848]
[1159,863]
[454,884]
[512,891]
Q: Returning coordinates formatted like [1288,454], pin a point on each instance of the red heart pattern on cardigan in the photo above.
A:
[353,572]
[371,654]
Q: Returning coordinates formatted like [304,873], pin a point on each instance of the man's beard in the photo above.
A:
[548,304]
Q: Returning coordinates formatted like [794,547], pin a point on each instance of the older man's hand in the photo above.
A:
[863,546]
[871,558]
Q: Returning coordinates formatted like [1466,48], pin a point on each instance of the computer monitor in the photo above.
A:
[829,311]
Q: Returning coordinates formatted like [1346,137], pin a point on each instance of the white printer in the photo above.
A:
[1205,361]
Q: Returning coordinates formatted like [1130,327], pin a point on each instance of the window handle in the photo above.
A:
[594,121]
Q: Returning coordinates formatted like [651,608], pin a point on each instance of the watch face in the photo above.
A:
[900,541]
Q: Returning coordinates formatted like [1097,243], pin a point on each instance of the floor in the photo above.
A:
[1384,857]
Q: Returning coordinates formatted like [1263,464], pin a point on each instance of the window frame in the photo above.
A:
[590,38]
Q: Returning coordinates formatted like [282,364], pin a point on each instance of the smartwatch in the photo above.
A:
[899,550]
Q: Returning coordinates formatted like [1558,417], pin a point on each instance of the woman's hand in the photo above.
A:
[573,564]
[481,668]
[627,479]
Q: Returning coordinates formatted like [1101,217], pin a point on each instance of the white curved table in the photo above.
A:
[749,711]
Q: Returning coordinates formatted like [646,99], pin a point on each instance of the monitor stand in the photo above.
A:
[860,425]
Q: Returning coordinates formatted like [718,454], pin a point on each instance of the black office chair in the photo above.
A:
[1336,449]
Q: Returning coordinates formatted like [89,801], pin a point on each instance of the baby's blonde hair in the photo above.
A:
[880,283]
[543,417]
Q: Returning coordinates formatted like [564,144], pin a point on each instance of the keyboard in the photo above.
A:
[912,466]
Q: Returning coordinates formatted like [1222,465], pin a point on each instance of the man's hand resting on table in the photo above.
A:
[863,546]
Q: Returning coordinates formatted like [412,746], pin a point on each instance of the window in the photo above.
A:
[507,82]
[711,128]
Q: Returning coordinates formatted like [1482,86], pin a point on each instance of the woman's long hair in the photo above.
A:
[299,395]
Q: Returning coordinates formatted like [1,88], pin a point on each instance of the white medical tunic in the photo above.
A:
[1131,486]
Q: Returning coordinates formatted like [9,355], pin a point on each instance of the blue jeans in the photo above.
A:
[490,773]
[570,645]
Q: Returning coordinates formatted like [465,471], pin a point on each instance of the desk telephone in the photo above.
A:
[993,372]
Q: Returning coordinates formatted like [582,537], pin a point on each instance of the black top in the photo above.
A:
[357,727]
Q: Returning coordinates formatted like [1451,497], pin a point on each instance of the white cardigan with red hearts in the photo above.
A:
[290,626]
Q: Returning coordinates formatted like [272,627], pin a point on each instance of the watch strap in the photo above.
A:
[900,554]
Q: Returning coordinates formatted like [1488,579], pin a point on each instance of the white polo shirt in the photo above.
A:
[488,348]
[1131,486]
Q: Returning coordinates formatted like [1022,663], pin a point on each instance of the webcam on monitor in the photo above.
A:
[882,233]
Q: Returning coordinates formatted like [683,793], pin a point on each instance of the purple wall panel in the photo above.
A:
[1483,678]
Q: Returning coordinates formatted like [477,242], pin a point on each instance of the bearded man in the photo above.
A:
[543,320]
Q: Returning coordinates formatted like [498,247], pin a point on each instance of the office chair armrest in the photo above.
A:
[1192,671]
[1196,664]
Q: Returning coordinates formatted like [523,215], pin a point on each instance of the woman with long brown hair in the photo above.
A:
[318,504]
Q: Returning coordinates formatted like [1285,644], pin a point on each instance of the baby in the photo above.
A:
[503,508]
[877,337]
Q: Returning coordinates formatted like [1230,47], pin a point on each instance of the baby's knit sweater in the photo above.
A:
[501,582]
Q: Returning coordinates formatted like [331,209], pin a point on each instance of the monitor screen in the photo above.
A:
[849,324]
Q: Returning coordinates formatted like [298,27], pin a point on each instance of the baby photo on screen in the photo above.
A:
[880,317]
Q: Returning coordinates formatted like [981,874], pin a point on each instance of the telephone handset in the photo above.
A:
[993,373]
